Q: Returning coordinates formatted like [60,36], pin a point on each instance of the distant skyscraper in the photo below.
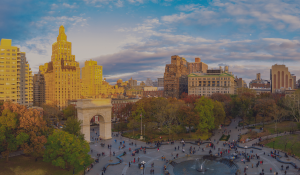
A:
[155,83]
[160,82]
[91,78]
[132,82]
[15,75]
[62,74]
[149,82]
[281,78]
[38,89]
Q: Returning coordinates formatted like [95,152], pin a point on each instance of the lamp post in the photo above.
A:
[245,150]
[110,155]
[141,127]
[144,132]
[273,144]
[143,162]
[84,169]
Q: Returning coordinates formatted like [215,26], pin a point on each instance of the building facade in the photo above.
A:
[38,89]
[132,82]
[214,81]
[62,74]
[197,66]
[149,82]
[26,82]
[281,78]
[175,76]
[16,83]
[259,82]
[91,79]
[160,82]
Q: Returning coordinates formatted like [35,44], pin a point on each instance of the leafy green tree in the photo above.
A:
[188,117]
[66,150]
[73,126]
[219,113]
[204,109]
[69,111]
[10,137]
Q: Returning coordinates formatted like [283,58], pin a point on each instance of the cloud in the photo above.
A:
[70,6]
[278,14]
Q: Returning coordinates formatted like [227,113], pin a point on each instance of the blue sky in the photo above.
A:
[136,38]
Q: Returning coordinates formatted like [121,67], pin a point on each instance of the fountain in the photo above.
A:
[200,169]
[205,165]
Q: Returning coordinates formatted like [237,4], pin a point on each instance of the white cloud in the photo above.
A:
[70,6]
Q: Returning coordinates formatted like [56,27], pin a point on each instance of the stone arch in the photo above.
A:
[87,109]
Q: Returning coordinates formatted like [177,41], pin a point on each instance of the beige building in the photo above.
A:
[16,83]
[281,78]
[150,88]
[62,73]
[132,82]
[214,81]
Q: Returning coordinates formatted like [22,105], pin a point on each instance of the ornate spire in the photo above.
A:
[62,35]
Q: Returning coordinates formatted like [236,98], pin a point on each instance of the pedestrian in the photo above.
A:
[129,164]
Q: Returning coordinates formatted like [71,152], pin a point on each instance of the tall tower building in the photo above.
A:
[62,74]
[38,89]
[91,78]
[15,75]
[281,78]
[26,82]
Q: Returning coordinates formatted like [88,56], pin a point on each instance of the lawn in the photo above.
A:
[283,126]
[280,144]
[155,136]
[23,165]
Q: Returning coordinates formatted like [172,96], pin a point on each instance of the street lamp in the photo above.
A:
[141,127]
[143,162]
[245,151]
[273,144]
[84,169]
[145,132]
[110,154]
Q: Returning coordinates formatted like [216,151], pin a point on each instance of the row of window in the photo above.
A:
[209,78]
[8,54]
[8,50]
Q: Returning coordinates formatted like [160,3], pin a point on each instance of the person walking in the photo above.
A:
[129,164]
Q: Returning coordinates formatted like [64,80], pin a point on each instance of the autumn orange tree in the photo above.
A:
[30,124]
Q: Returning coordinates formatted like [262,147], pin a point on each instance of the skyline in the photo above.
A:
[136,38]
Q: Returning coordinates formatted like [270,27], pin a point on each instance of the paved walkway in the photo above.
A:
[154,156]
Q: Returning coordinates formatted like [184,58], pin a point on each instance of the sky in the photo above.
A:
[136,38]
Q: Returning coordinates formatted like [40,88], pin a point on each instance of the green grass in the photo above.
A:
[279,144]
[155,137]
[283,126]
[23,165]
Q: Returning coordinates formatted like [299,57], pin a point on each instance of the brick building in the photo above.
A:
[175,76]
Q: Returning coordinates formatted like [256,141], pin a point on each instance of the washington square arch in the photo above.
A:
[87,109]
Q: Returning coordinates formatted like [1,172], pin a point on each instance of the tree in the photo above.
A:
[69,111]
[30,123]
[51,113]
[220,97]
[73,126]
[189,99]
[188,117]
[10,137]
[219,114]
[66,150]
[265,107]
[204,109]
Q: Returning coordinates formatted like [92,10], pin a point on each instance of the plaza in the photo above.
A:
[168,151]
